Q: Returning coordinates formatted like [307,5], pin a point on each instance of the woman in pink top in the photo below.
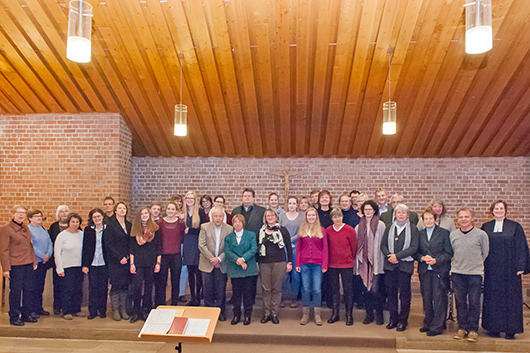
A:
[311,262]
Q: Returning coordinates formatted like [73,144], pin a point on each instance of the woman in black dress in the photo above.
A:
[116,246]
[507,261]
[145,261]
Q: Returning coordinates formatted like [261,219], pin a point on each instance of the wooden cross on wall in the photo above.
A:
[286,173]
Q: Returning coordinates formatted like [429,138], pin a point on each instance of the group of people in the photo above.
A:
[369,246]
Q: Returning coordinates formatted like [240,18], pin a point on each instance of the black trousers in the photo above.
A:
[347,286]
[98,286]
[195,281]
[242,289]
[57,290]
[170,263]
[37,287]
[72,290]
[434,289]
[142,287]
[20,278]
[358,290]
[373,298]
[214,288]
[398,284]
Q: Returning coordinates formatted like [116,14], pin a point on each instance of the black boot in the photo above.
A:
[379,318]
[369,316]
[334,316]
[349,315]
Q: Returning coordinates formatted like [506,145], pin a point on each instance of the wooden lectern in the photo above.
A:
[194,312]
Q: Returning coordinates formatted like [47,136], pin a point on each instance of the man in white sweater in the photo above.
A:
[471,247]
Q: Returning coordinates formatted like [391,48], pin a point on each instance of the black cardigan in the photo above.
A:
[116,241]
[89,245]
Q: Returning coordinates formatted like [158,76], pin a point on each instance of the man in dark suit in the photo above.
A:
[253,213]
[388,217]
[434,264]
[212,260]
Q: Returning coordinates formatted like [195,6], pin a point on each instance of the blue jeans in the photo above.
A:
[311,284]
[291,283]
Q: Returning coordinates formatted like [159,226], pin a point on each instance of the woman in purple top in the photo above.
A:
[311,262]
[171,232]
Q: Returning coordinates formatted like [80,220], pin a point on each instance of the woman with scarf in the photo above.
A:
[274,243]
[370,260]
[399,245]
[145,258]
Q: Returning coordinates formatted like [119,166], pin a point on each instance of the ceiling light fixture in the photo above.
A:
[389,108]
[181,110]
[479,34]
[79,46]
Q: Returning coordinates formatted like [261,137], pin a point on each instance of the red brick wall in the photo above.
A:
[473,182]
[48,160]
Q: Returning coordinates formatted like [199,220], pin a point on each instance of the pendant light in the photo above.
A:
[181,110]
[389,108]
[78,45]
[479,34]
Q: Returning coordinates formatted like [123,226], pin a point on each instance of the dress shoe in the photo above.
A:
[266,318]
[193,302]
[274,319]
[368,319]
[246,320]
[401,327]
[16,321]
[134,318]
[79,314]
[222,317]
[57,312]
[29,319]
[43,312]
[182,299]
[391,325]
[92,316]
[433,333]
[35,315]
[294,304]
[510,336]
[282,304]
[494,334]
[68,317]
[424,329]
[102,315]
[235,320]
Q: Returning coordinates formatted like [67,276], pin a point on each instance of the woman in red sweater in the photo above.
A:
[311,262]
[342,245]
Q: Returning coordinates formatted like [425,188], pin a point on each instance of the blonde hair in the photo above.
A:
[195,218]
[306,229]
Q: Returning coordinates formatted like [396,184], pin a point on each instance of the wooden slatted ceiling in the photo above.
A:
[279,78]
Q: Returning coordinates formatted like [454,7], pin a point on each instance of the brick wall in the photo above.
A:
[48,160]
[473,182]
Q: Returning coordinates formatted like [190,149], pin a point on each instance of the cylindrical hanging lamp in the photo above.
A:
[389,118]
[181,117]
[479,34]
[79,46]
[390,107]
[181,110]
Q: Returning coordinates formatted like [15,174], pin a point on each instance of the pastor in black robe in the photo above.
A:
[502,309]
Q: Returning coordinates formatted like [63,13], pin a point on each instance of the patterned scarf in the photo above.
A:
[365,250]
